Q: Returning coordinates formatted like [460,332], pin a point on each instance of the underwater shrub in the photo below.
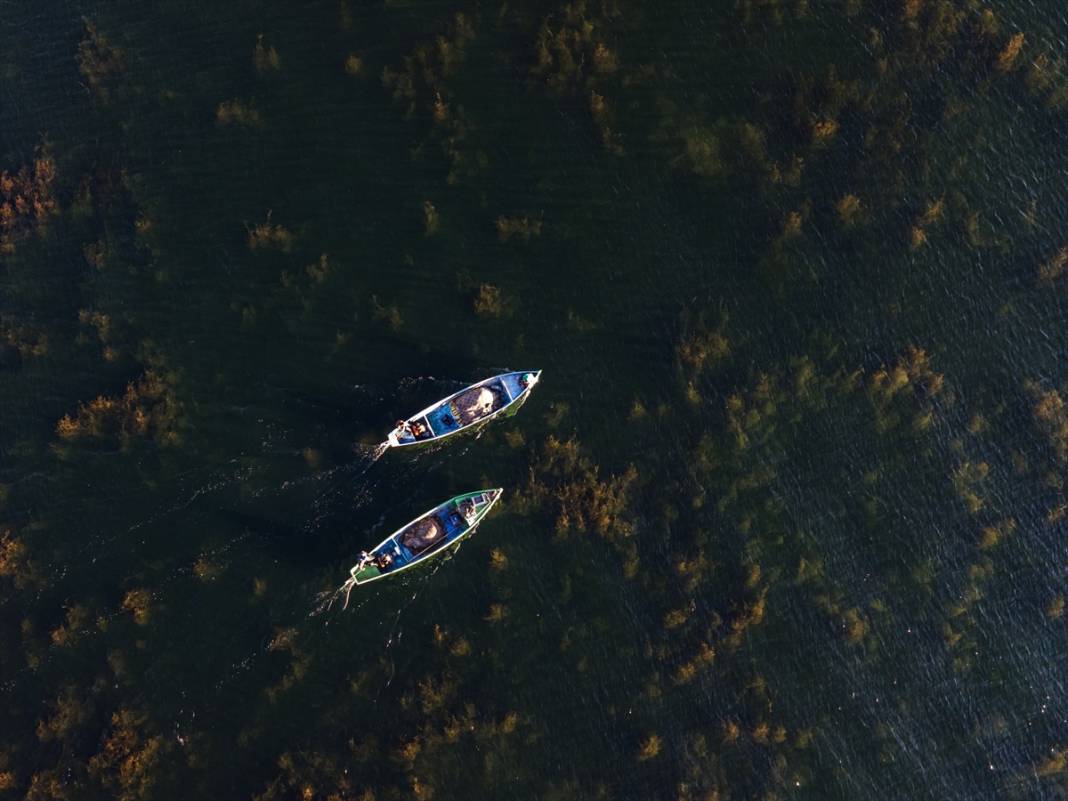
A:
[848,209]
[353,64]
[130,760]
[488,301]
[498,559]
[1006,59]
[390,315]
[965,479]
[431,219]
[649,748]
[991,536]
[567,52]
[1051,417]
[1053,765]
[139,603]
[98,60]
[28,340]
[77,619]
[1051,270]
[234,112]
[700,152]
[267,235]
[569,484]
[26,199]
[148,407]
[69,714]
[523,228]
[265,58]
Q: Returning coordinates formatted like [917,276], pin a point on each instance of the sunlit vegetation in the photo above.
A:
[267,235]
[569,483]
[29,341]
[353,64]
[265,57]
[26,198]
[572,58]
[148,408]
[1049,271]
[99,61]
[1051,416]
[488,301]
[431,219]
[129,763]
[388,314]
[522,228]
[1053,765]
[236,112]
[702,347]
[422,86]
[649,748]
[138,603]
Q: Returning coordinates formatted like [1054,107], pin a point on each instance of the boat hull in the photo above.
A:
[443,419]
[429,535]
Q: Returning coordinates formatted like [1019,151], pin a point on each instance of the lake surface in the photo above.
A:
[784,519]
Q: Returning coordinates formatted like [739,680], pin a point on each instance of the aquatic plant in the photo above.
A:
[98,60]
[26,198]
[488,301]
[523,228]
[431,219]
[569,484]
[266,235]
[391,314]
[848,209]
[236,112]
[649,748]
[130,761]
[149,407]
[265,58]
[353,64]
[1006,59]
[139,603]
[1051,416]
[1049,271]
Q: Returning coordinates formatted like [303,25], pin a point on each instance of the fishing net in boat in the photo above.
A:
[422,534]
[475,403]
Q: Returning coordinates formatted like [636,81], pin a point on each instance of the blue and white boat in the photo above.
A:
[427,536]
[468,408]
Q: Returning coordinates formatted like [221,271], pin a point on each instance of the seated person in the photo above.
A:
[383,561]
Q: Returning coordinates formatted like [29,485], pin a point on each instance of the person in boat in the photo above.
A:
[417,429]
[383,561]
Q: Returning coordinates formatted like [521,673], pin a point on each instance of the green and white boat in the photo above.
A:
[427,536]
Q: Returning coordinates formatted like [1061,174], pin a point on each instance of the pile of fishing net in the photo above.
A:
[422,534]
[474,404]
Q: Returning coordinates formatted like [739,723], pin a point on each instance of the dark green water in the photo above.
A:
[784,519]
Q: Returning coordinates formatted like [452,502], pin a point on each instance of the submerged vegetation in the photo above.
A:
[794,272]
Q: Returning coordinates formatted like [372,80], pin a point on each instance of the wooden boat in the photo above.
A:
[425,537]
[468,408]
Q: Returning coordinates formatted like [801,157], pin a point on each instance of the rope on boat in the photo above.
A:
[347,587]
